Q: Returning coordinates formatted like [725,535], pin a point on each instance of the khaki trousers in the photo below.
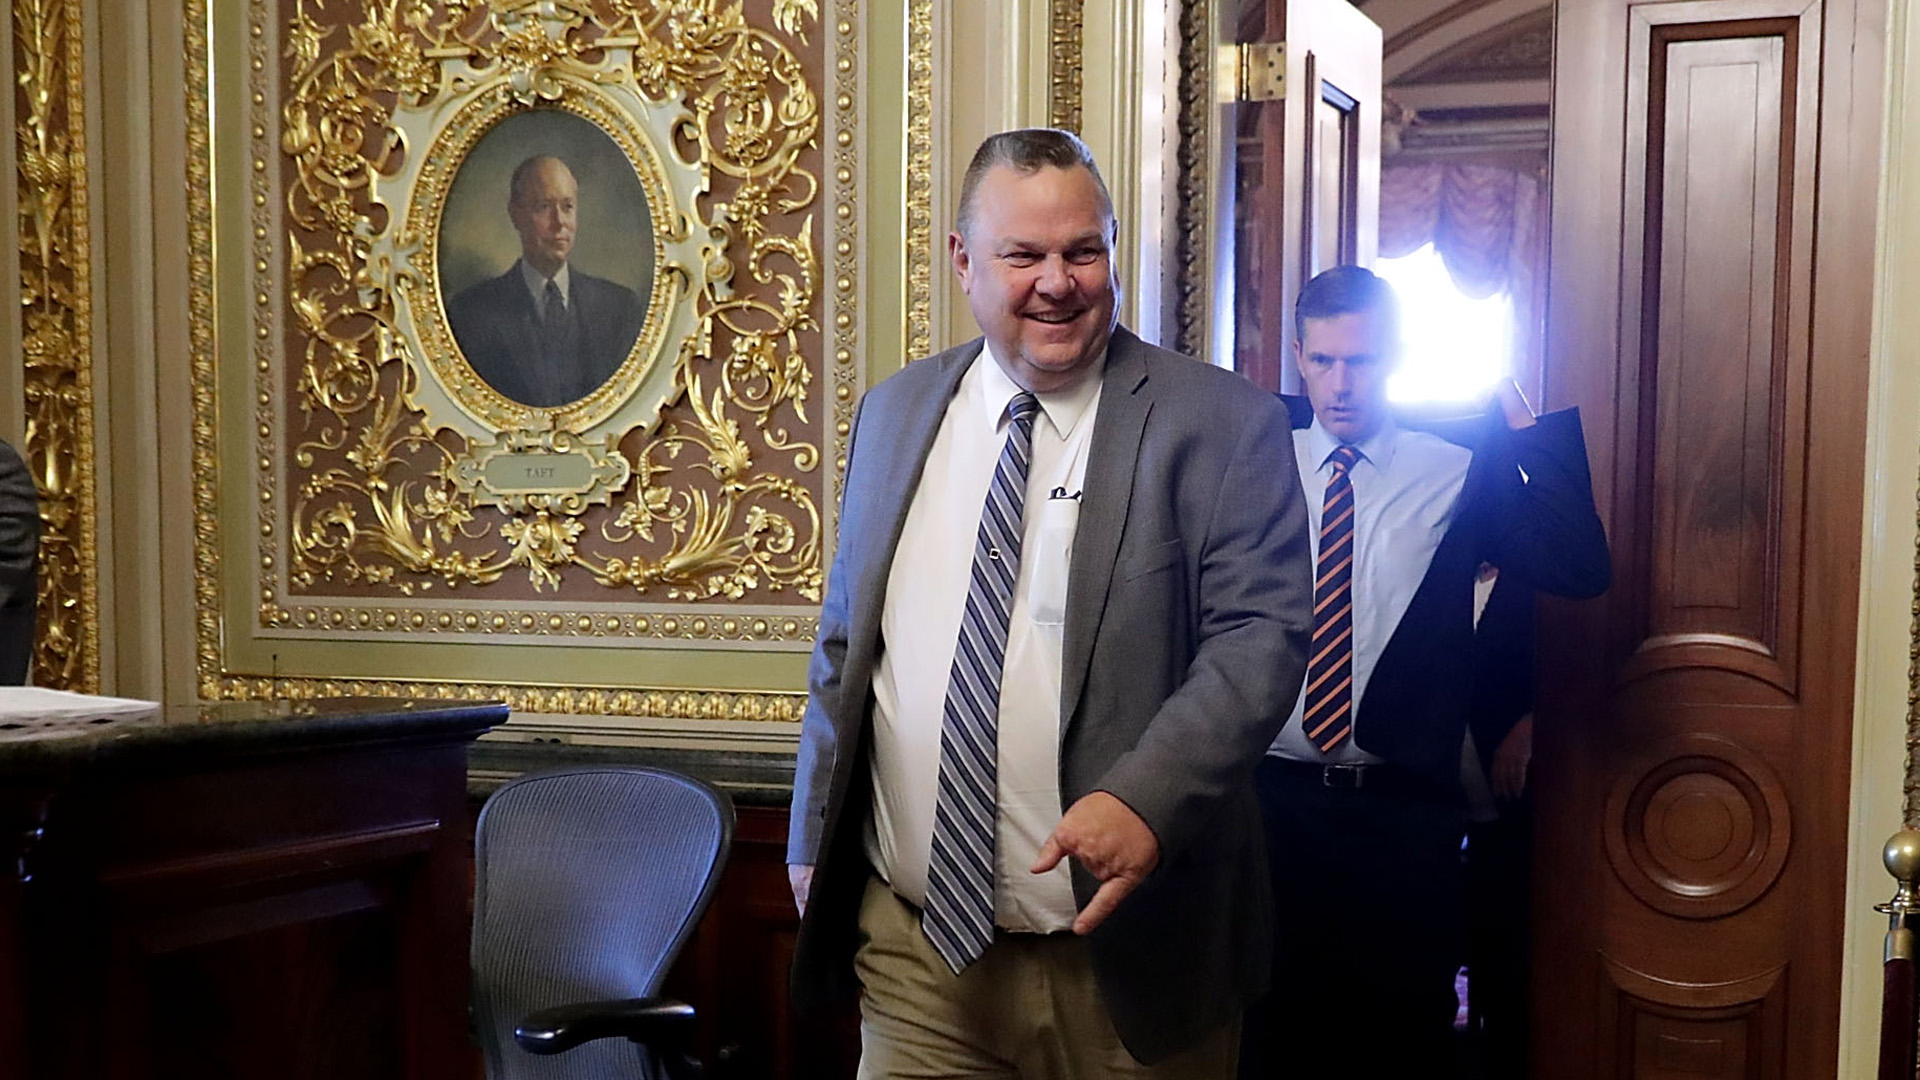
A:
[1029,1009]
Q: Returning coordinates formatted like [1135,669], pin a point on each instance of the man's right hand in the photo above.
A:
[801,879]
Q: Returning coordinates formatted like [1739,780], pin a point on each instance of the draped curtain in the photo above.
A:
[1488,224]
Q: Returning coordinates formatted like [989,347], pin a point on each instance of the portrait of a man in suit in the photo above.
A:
[545,333]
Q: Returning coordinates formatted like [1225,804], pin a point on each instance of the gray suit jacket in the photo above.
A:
[1187,624]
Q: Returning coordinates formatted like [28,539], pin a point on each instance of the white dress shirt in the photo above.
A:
[1406,487]
[537,285]
[920,627]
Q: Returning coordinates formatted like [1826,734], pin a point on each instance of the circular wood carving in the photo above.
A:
[1699,828]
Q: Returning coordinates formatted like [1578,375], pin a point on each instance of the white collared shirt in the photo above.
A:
[537,284]
[920,627]
[1406,487]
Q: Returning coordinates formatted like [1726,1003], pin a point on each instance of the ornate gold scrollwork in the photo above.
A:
[403,443]
[56,303]
[919,178]
[1193,188]
[655,704]
[1068,18]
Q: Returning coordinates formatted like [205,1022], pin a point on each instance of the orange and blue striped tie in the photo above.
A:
[1328,717]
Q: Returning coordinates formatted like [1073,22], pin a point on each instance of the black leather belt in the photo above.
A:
[1380,777]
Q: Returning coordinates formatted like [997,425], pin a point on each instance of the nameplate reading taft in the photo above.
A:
[537,471]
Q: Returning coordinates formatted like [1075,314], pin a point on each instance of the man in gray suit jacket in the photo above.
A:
[1066,617]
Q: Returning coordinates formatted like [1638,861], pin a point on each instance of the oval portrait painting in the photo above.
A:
[546,257]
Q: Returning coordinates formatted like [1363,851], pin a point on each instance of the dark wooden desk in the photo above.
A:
[244,890]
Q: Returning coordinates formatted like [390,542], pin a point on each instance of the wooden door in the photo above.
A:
[1714,175]
[1307,191]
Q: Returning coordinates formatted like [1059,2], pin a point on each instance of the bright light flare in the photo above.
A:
[1453,348]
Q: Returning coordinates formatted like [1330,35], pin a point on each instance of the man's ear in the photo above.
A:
[962,261]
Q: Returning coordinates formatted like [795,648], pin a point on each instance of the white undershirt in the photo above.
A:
[920,626]
[1406,487]
[537,285]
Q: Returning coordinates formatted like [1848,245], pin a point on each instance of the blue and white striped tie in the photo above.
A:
[959,914]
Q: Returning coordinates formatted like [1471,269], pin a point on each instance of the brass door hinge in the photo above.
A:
[1263,71]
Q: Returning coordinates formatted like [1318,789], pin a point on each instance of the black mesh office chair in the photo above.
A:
[588,882]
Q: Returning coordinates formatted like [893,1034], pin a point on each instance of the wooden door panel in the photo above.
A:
[1658,1028]
[1711,159]
[1306,172]
[1716,175]
[1331,223]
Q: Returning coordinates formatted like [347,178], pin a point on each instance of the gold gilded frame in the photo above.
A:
[373,518]
[1194,179]
[689,259]
[1067,20]
[237,657]
[56,304]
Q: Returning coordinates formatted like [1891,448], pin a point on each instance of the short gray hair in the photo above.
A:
[1027,151]
[524,170]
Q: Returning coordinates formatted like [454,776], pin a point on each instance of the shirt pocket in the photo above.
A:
[1049,561]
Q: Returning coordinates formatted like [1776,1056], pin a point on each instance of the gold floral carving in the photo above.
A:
[57,341]
[919,178]
[1064,64]
[847,280]
[1193,184]
[391,457]
[206,516]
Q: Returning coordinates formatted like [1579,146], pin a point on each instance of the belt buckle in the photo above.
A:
[1352,776]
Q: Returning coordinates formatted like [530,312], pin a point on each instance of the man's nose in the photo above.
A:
[1055,277]
[1342,378]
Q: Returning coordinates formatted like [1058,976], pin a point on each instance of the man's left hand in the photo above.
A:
[1510,760]
[1110,841]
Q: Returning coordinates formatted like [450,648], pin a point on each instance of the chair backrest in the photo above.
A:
[587,883]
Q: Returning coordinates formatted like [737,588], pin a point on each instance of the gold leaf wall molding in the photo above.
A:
[208,640]
[844,53]
[655,704]
[606,626]
[1067,20]
[1193,186]
[56,298]
[919,328]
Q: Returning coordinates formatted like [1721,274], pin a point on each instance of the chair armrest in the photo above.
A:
[656,1021]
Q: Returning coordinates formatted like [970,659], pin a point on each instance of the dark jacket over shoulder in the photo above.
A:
[1527,508]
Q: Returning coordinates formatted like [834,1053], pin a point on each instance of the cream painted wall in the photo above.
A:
[1887,551]
[990,64]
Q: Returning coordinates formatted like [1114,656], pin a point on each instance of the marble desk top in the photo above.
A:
[65,744]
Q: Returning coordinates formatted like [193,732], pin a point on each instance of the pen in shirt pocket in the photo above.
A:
[1062,493]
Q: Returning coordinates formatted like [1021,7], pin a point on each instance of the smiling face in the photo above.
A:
[543,207]
[1345,361]
[1036,263]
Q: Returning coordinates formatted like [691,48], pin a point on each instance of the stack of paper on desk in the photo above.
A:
[32,711]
